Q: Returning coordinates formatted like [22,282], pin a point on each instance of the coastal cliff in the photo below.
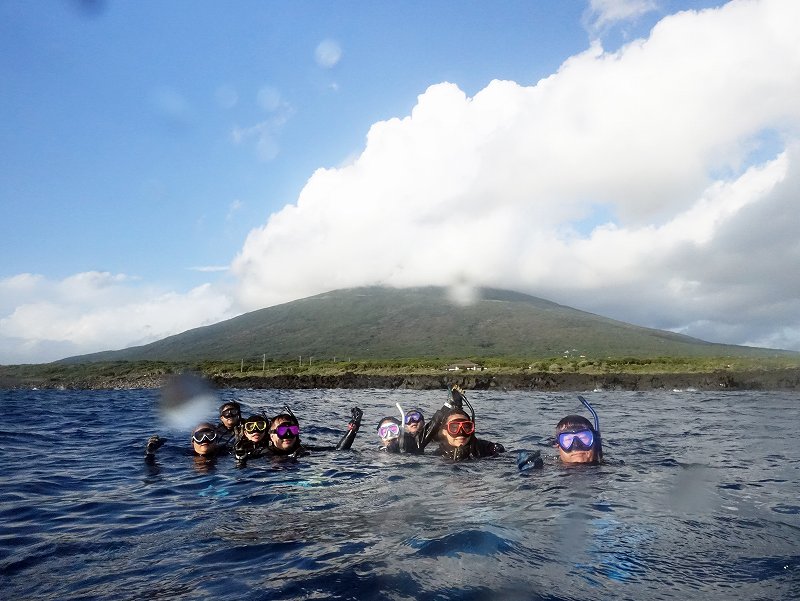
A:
[775,379]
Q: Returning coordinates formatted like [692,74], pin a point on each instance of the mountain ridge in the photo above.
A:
[397,323]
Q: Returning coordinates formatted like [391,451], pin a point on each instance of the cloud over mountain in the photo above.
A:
[643,184]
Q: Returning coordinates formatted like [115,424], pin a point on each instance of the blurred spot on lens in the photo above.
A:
[186,400]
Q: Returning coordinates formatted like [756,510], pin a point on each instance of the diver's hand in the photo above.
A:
[498,448]
[154,443]
[527,460]
[356,415]
[456,397]
[239,451]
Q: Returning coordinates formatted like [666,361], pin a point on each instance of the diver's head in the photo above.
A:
[415,421]
[255,428]
[389,430]
[230,414]
[284,432]
[458,428]
[577,440]
[204,439]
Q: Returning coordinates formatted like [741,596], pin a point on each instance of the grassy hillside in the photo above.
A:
[383,324]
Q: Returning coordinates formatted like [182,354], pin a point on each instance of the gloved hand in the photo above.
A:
[239,451]
[527,460]
[356,414]
[456,397]
[154,443]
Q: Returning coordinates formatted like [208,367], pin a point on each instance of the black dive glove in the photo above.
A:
[528,460]
[456,398]
[352,429]
[355,421]
[154,443]
[240,451]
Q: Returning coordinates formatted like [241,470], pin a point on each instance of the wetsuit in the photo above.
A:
[409,443]
[298,449]
[475,447]
[245,449]
[415,443]
[228,438]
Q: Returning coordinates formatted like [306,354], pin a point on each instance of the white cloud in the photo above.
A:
[494,189]
[95,311]
[328,53]
[605,13]
[624,184]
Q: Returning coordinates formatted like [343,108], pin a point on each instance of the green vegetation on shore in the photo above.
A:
[121,374]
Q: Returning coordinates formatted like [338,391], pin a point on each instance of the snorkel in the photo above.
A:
[288,411]
[598,442]
[402,418]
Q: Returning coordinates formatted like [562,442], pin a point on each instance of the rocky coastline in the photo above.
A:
[778,379]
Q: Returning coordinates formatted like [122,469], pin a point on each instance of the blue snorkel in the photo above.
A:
[598,442]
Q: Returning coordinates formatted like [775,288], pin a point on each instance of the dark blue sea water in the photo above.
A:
[700,499]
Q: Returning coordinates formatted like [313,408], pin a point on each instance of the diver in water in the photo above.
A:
[253,441]
[389,431]
[410,433]
[284,435]
[458,440]
[229,427]
[579,441]
[456,431]
[204,442]
[413,431]
[398,439]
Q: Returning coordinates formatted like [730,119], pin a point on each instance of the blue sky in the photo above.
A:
[119,154]
[170,164]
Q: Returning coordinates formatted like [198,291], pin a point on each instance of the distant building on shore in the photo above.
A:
[464,365]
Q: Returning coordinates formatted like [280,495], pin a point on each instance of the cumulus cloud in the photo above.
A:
[657,140]
[95,311]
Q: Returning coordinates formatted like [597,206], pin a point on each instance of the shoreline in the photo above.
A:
[776,379]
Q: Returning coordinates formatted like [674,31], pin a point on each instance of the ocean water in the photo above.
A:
[699,499]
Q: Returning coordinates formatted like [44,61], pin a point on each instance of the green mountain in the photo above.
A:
[388,323]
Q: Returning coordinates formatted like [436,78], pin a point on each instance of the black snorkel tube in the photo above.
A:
[471,410]
[598,441]
[287,409]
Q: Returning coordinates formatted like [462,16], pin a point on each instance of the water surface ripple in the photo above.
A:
[700,499]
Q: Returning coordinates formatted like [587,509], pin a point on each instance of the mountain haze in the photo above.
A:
[389,323]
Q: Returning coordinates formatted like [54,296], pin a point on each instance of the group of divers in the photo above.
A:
[452,427]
